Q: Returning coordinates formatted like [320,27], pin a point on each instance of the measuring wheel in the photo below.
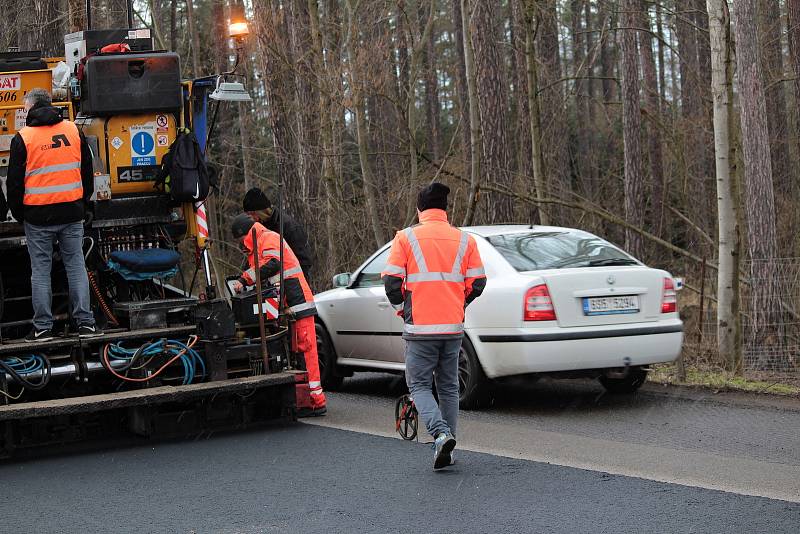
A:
[406,418]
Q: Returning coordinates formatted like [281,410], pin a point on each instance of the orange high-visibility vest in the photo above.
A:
[439,264]
[53,164]
[299,297]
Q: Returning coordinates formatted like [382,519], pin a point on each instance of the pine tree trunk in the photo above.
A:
[474,118]
[324,109]
[534,115]
[461,83]
[631,128]
[370,192]
[432,96]
[77,15]
[553,116]
[173,25]
[652,101]
[194,38]
[492,102]
[772,61]
[758,185]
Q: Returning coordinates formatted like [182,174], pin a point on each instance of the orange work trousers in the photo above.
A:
[305,341]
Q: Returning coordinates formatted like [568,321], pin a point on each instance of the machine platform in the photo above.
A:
[166,411]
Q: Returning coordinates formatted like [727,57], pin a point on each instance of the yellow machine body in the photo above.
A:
[131,147]
[13,87]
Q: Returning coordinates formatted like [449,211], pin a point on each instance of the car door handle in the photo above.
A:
[383,305]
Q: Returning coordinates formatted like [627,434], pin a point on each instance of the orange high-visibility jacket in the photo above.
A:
[299,297]
[434,270]
[53,165]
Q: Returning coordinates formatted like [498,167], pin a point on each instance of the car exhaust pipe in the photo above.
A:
[620,372]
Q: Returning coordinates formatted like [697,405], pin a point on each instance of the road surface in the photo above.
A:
[552,458]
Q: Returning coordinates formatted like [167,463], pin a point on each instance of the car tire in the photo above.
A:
[330,378]
[474,388]
[626,385]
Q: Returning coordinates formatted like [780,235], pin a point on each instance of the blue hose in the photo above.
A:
[190,360]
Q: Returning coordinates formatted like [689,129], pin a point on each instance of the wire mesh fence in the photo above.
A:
[769,315]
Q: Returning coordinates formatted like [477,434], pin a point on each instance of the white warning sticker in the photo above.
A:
[19,119]
[162,123]
[117,142]
[162,139]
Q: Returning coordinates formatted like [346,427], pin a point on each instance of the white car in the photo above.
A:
[557,301]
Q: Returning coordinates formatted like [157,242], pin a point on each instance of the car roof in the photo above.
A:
[503,229]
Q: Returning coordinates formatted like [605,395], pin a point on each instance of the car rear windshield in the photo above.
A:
[532,251]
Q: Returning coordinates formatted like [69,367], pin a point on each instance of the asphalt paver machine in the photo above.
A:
[169,362]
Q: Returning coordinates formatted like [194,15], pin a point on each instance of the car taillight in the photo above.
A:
[669,302]
[538,305]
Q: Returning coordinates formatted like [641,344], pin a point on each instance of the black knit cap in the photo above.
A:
[255,200]
[433,197]
[241,224]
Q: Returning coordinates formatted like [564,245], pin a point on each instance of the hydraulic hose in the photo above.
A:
[19,367]
[175,350]
[106,310]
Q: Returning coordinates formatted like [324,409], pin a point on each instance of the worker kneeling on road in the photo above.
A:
[433,272]
[50,181]
[299,299]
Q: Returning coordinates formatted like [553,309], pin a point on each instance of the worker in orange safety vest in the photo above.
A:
[433,272]
[50,182]
[299,299]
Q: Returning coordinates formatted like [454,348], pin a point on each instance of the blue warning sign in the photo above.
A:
[143,145]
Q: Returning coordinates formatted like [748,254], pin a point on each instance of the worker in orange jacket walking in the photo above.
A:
[299,299]
[433,272]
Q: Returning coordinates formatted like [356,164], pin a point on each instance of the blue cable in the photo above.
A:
[190,360]
[25,365]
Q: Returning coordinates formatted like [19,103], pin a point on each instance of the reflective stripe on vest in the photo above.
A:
[47,189]
[477,271]
[433,276]
[303,307]
[286,274]
[394,269]
[54,168]
[456,328]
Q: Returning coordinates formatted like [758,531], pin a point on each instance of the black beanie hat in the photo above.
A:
[255,200]
[433,197]
[241,224]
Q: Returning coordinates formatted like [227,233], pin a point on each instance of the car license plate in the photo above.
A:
[611,305]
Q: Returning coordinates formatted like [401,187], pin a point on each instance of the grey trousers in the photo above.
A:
[40,248]
[423,359]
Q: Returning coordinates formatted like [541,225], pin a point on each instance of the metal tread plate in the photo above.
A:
[138,397]
[18,346]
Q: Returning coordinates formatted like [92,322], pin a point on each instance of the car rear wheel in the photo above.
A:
[326,355]
[473,387]
[628,384]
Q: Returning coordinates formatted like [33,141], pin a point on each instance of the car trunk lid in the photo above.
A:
[604,295]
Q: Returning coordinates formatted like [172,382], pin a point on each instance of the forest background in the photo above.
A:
[670,127]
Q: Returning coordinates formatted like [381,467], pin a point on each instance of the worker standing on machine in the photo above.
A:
[50,180]
[258,206]
[298,296]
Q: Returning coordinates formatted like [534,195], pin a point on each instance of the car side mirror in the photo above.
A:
[341,280]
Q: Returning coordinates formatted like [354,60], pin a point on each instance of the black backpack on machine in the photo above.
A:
[184,171]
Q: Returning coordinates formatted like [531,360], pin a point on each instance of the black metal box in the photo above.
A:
[131,83]
[245,306]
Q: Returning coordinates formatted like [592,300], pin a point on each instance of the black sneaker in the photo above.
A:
[89,331]
[444,445]
[36,336]
[312,412]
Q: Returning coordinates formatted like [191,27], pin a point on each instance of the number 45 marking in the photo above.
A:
[131,175]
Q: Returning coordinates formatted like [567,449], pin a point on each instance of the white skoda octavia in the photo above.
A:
[557,301]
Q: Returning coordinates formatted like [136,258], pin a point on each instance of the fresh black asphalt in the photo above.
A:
[308,479]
